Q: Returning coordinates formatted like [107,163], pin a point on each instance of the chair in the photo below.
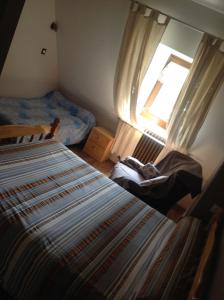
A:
[163,184]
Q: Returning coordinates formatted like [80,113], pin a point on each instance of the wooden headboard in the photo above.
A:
[44,130]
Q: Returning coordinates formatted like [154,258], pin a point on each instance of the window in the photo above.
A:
[163,96]
[163,83]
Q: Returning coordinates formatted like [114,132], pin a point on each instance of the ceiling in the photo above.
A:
[217,5]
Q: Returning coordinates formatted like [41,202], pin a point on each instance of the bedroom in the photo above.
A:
[70,65]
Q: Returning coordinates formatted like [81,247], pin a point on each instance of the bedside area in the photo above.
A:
[99,144]
[97,150]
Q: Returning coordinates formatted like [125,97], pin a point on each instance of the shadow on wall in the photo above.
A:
[25,87]
[100,113]
[209,144]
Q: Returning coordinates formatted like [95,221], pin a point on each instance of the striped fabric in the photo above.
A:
[68,232]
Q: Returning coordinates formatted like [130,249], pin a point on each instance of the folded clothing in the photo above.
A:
[149,171]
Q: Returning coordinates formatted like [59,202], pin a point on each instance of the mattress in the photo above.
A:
[75,124]
[69,232]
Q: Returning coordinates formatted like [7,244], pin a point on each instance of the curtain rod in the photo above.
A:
[178,20]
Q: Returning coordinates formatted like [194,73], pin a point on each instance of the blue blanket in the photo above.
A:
[76,122]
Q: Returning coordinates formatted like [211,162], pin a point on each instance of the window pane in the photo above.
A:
[173,77]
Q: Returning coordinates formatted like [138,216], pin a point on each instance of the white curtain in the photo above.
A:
[205,78]
[143,32]
[125,141]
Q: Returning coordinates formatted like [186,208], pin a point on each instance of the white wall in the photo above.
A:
[26,72]
[89,39]
[182,38]
[209,145]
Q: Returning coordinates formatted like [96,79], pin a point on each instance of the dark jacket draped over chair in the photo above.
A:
[163,184]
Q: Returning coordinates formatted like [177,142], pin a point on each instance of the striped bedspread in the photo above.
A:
[68,232]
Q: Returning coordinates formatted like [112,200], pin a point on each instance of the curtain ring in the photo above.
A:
[162,19]
[148,12]
[134,6]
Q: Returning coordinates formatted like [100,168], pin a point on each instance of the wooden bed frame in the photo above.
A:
[206,255]
[44,130]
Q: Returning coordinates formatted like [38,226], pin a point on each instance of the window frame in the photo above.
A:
[156,89]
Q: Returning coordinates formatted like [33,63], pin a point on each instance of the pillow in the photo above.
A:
[132,163]
[149,171]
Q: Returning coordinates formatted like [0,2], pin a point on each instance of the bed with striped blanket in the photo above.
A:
[68,232]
